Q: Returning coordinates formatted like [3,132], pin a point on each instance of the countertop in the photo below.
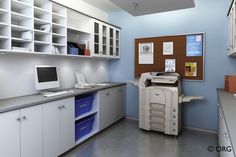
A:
[36,99]
[228,106]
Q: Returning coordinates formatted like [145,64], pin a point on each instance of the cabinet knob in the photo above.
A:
[63,107]
[24,117]
[108,94]
[59,107]
[18,119]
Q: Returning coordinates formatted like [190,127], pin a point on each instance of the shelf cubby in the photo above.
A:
[5,5]
[21,20]
[41,47]
[43,37]
[21,35]
[5,18]
[43,5]
[21,45]
[29,2]
[21,8]
[5,43]
[5,30]
[59,10]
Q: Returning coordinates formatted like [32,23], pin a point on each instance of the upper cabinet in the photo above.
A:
[106,39]
[232,29]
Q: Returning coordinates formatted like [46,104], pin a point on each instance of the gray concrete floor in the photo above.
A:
[125,139]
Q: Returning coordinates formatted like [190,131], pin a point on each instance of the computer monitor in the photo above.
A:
[46,77]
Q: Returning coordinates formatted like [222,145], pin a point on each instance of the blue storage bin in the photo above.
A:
[83,105]
[84,127]
[72,50]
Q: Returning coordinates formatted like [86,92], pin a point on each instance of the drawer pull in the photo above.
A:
[157,94]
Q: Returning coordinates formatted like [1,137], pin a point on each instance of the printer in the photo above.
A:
[160,102]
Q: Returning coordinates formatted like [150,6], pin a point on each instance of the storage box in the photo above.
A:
[84,127]
[83,105]
[230,83]
[73,51]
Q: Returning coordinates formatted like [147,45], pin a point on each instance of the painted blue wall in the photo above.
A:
[209,16]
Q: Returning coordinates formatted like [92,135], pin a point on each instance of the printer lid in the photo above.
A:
[164,77]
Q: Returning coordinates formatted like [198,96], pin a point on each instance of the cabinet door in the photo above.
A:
[111,106]
[119,102]
[96,38]
[117,43]
[111,41]
[220,127]
[51,129]
[31,132]
[67,124]
[10,134]
[105,108]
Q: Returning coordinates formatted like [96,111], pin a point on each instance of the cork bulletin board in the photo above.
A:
[183,54]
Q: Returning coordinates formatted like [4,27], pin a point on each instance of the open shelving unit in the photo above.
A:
[42,26]
[95,127]
[59,29]
[5,31]
[22,25]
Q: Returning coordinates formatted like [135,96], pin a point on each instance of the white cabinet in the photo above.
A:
[21,133]
[111,106]
[10,134]
[58,127]
[223,136]
[106,39]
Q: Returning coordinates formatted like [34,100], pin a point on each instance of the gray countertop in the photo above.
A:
[36,99]
[228,106]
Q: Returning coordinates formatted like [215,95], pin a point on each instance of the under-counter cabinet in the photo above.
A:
[223,136]
[58,127]
[111,106]
[21,133]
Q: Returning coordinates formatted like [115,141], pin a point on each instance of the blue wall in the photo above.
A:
[209,16]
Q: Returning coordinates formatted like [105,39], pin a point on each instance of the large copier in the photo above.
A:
[160,102]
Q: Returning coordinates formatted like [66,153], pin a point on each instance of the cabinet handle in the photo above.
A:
[108,94]
[18,119]
[157,94]
[59,107]
[24,117]
[63,107]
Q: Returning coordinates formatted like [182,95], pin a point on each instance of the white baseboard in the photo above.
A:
[201,130]
[131,118]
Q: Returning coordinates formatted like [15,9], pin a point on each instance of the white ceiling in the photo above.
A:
[105,5]
[143,7]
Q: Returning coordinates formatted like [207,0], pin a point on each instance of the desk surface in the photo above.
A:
[228,105]
[36,99]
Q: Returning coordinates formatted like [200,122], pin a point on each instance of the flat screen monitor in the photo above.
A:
[46,77]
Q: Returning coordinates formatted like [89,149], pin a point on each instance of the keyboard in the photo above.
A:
[57,93]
